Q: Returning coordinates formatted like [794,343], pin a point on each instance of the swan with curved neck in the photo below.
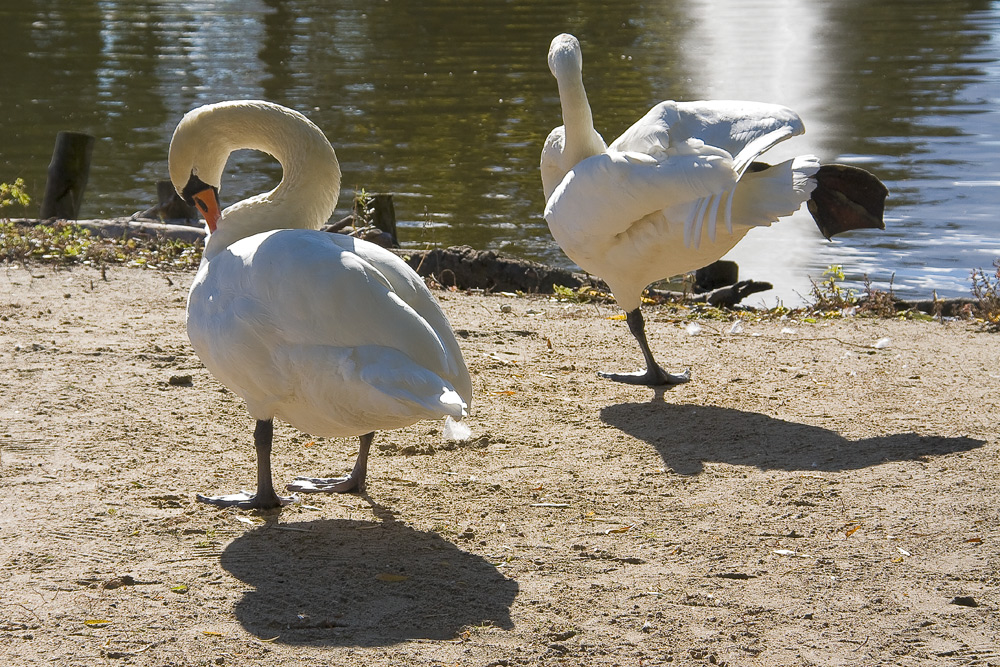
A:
[334,335]
[678,189]
[310,183]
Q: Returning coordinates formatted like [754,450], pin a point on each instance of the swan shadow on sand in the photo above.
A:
[341,582]
[688,435]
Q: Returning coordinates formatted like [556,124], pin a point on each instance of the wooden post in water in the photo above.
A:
[68,174]
[378,211]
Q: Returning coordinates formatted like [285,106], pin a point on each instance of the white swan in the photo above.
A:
[679,189]
[334,335]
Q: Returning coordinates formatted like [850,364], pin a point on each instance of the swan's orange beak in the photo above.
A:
[204,196]
[208,204]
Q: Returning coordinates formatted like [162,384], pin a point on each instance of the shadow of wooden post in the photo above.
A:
[67,177]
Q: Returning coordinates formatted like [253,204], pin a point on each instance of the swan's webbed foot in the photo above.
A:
[653,376]
[353,482]
[265,498]
[327,484]
[248,501]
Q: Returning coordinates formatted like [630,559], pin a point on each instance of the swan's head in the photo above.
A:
[197,157]
[565,54]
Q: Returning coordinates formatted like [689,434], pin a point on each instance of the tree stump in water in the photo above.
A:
[67,177]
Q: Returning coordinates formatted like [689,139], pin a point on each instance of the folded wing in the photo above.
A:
[745,130]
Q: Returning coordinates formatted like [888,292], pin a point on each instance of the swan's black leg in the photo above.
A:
[353,482]
[653,375]
[265,498]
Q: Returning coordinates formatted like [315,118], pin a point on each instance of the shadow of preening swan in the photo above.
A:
[340,582]
[688,435]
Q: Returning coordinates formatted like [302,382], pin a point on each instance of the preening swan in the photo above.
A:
[678,189]
[334,335]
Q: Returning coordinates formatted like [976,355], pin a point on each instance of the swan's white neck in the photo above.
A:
[581,139]
[310,184]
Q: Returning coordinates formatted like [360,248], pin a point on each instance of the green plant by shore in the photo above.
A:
[986,292]
[14,194]
[67,244]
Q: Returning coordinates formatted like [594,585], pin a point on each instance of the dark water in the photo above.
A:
[446,106]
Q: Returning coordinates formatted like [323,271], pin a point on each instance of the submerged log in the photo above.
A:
[68,173]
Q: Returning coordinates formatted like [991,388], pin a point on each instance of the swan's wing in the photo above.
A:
[320,337]
[743,129]
[703,214]
[306,288]
[604,195]
[344,390]
[766,193]
[411,290]
[727,124]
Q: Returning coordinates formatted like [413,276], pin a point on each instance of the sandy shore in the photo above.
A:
[809,498]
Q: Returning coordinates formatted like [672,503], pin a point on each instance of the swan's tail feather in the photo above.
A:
[768,192]
[453,404]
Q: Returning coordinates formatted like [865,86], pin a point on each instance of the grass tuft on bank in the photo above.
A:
[67,244]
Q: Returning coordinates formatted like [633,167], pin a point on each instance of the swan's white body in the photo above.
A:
[334,335]
[673,193]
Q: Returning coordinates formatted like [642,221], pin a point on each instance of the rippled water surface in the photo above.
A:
[446,106]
